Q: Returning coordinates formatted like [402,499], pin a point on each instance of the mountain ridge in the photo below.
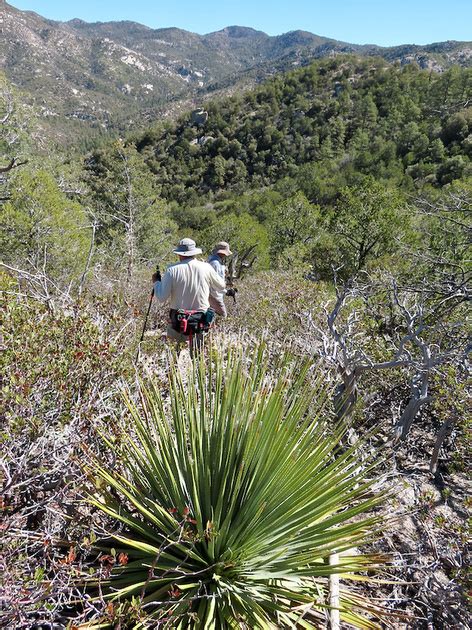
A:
[102,76]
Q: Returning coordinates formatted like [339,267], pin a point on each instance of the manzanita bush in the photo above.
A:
[235,488]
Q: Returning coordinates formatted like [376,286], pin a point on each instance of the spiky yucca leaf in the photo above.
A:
[233,494]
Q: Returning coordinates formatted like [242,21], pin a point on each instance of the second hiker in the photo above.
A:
[217,260]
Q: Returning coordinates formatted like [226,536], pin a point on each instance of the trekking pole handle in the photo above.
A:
[157,275]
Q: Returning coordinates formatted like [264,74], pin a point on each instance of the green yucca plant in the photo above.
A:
[234,492]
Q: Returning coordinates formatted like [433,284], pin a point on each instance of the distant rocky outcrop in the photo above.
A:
[198,117]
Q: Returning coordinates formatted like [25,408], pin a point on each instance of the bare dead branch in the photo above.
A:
[14,163]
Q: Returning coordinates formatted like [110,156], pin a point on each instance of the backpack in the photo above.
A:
[192,322]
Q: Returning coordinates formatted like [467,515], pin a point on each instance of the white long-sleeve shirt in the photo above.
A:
[187,284]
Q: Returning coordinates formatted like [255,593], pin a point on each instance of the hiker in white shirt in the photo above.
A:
[186,284]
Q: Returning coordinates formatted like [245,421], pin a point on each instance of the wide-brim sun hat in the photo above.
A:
[222,248]
[187,247]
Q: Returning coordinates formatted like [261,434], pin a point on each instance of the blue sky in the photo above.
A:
[383,22]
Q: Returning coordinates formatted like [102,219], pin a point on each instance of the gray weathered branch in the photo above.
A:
[14,163]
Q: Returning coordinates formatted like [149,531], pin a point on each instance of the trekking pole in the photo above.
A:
[147,314]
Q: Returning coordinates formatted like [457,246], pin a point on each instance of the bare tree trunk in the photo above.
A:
[419,397]
[89,259]
[442,435]
[129,221]
[334,617]
[240,263]
[345,394]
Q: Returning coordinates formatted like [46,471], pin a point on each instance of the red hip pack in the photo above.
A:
[191,322]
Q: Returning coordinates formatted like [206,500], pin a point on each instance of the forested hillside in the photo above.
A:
[351,116]
[314,457]
[293,149]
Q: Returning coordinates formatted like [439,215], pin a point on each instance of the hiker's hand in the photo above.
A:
[156,276]
[231,292]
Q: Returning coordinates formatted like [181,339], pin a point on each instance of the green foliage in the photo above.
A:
[278,302]
[194,218]
[17,122]
[235,493]
[292,223]
[316,158]
[42,228]
[441,258]
[449,405]
[322,181]
[447,223]
[229,495]
[367,224]
[242,232]
[55,363]
[347,116]
[133,222]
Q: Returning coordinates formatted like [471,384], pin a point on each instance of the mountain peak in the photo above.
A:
[237,32]
[75,22]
